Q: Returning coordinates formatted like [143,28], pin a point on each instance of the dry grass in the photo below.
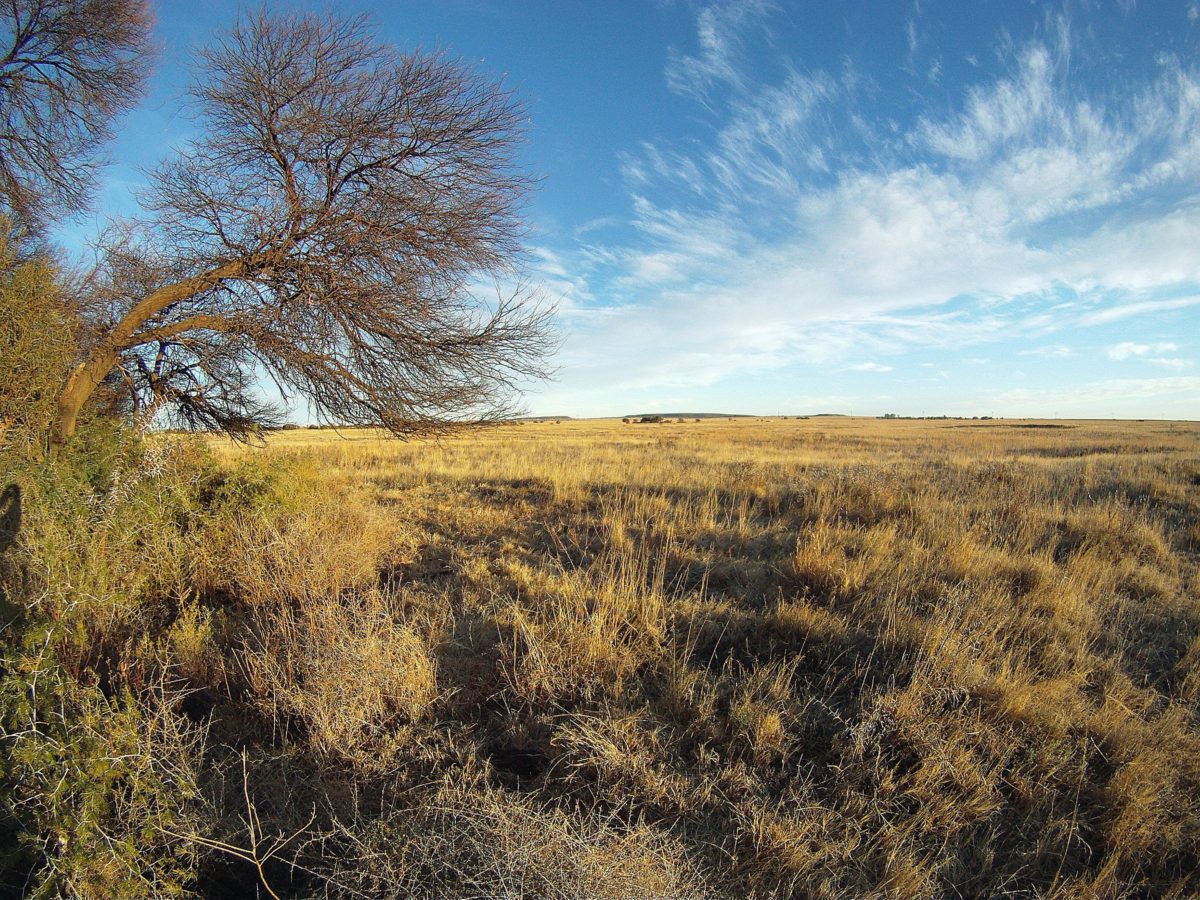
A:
[477,841]
[823,657]
[348,669]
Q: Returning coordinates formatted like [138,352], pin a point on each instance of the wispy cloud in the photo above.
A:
[801,233]
[870,367]
[1175,363]
[720,30]
[1131,349]
[1142,308]
[1175,392]
[1054,351]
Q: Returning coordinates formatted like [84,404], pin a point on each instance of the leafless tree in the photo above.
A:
[67,68]
[329,227]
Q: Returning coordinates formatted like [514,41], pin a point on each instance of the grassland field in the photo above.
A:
[828,657]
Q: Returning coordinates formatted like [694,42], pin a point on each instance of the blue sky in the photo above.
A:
[912,207]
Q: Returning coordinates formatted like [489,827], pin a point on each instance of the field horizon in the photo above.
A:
[982,421]
[819,657]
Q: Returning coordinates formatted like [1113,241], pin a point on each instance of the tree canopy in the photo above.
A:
[67,69]
[330,227]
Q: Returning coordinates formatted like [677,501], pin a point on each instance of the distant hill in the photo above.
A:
[691,415]
[541,419]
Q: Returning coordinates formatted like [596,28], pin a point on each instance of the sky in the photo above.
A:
[919,208]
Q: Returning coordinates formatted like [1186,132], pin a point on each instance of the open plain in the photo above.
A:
[296,601]
[818,657]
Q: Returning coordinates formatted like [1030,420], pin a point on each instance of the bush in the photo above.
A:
[271,531]
[348,669]
[102,792]
[37,344]
[466,840]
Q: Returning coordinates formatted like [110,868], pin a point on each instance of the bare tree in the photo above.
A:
[328,227]
[67,68]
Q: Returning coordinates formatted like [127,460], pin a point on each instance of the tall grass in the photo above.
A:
[816,657]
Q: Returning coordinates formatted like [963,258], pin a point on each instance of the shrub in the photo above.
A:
[37,344]
[98,771]
[468,840]
[274,531]
[102,792]
[347,668]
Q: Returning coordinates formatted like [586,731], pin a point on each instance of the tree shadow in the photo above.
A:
[11,577]
[10,515]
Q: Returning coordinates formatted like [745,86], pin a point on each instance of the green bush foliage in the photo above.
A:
[100,793]
[98,789]
[38,342]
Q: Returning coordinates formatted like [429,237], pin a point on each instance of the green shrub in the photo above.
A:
[98,783]
[37,344]
[99,793]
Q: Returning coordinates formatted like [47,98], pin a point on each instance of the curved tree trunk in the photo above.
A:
[80,386]
[129,332]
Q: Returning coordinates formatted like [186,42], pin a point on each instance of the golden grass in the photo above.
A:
[813,657]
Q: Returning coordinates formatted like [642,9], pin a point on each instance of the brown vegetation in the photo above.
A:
[325,226]
[837,658]
[773,658]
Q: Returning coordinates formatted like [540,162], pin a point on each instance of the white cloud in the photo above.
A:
[720,29]
[1175,395]
[869,367]
[755,253]
[1171,363]
[1056,351]
[1131,349]
[998,113]
[1129,310]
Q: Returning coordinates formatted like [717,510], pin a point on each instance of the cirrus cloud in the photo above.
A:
[802,233]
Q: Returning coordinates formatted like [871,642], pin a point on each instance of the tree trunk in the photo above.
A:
[88,375]
[80,386]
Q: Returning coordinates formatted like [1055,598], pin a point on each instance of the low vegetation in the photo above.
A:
[824,657]
[718,656]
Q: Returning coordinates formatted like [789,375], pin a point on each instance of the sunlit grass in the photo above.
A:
[832,655]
